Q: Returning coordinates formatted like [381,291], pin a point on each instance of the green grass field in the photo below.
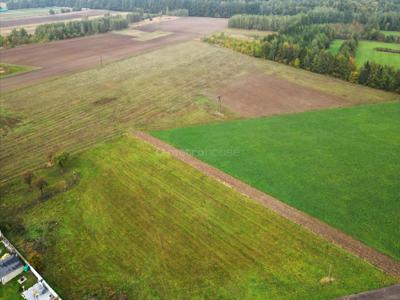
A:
[395,33]
[341,165]
[143,224]
[335,46]
[366,52]
[156,90]
[7,70]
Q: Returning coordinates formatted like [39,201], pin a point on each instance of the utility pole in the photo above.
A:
[101,60]
[219,103]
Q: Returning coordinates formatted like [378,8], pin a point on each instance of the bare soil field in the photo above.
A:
[18,22]
[61,57]
[258,94]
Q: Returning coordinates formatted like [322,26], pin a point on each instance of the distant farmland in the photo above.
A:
[144,225]
[156,90]
[319,162]
[190,150]
[15,14]
[30,18]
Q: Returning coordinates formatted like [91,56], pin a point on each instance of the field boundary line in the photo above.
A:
[323,230]
[387,293]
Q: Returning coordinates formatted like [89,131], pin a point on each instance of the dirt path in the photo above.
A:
[323,230]
[388,293]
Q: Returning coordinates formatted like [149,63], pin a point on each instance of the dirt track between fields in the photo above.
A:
[387,293]
[321,229]
[67,56]
[258,94]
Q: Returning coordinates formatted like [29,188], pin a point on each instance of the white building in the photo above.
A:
[10,267]
[38,292]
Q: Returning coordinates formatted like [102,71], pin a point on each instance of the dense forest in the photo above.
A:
[320,15]
[366,10]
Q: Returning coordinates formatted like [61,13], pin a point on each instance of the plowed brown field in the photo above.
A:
[61,57]
[258,94]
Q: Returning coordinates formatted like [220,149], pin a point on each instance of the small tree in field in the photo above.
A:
[62,159]
[41,184]
[28,177]
[50,159]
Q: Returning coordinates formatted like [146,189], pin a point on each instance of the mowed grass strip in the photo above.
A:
[151,91]
[7,70]
[143,224]
[366,52]
[341,165]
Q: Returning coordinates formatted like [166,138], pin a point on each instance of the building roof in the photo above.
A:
[9,265]
[37,292]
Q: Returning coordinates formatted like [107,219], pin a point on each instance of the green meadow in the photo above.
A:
[366,51]
[395,33]
[341,165]
[144,225]
[335,46]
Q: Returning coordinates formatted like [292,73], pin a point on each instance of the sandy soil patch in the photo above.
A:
[142,36]
[154,21]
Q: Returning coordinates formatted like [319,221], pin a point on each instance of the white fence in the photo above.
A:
[10,247]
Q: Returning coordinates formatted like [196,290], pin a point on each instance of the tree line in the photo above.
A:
[375,35]
[307,48]
[68,30]
[384,21]
[385,11]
